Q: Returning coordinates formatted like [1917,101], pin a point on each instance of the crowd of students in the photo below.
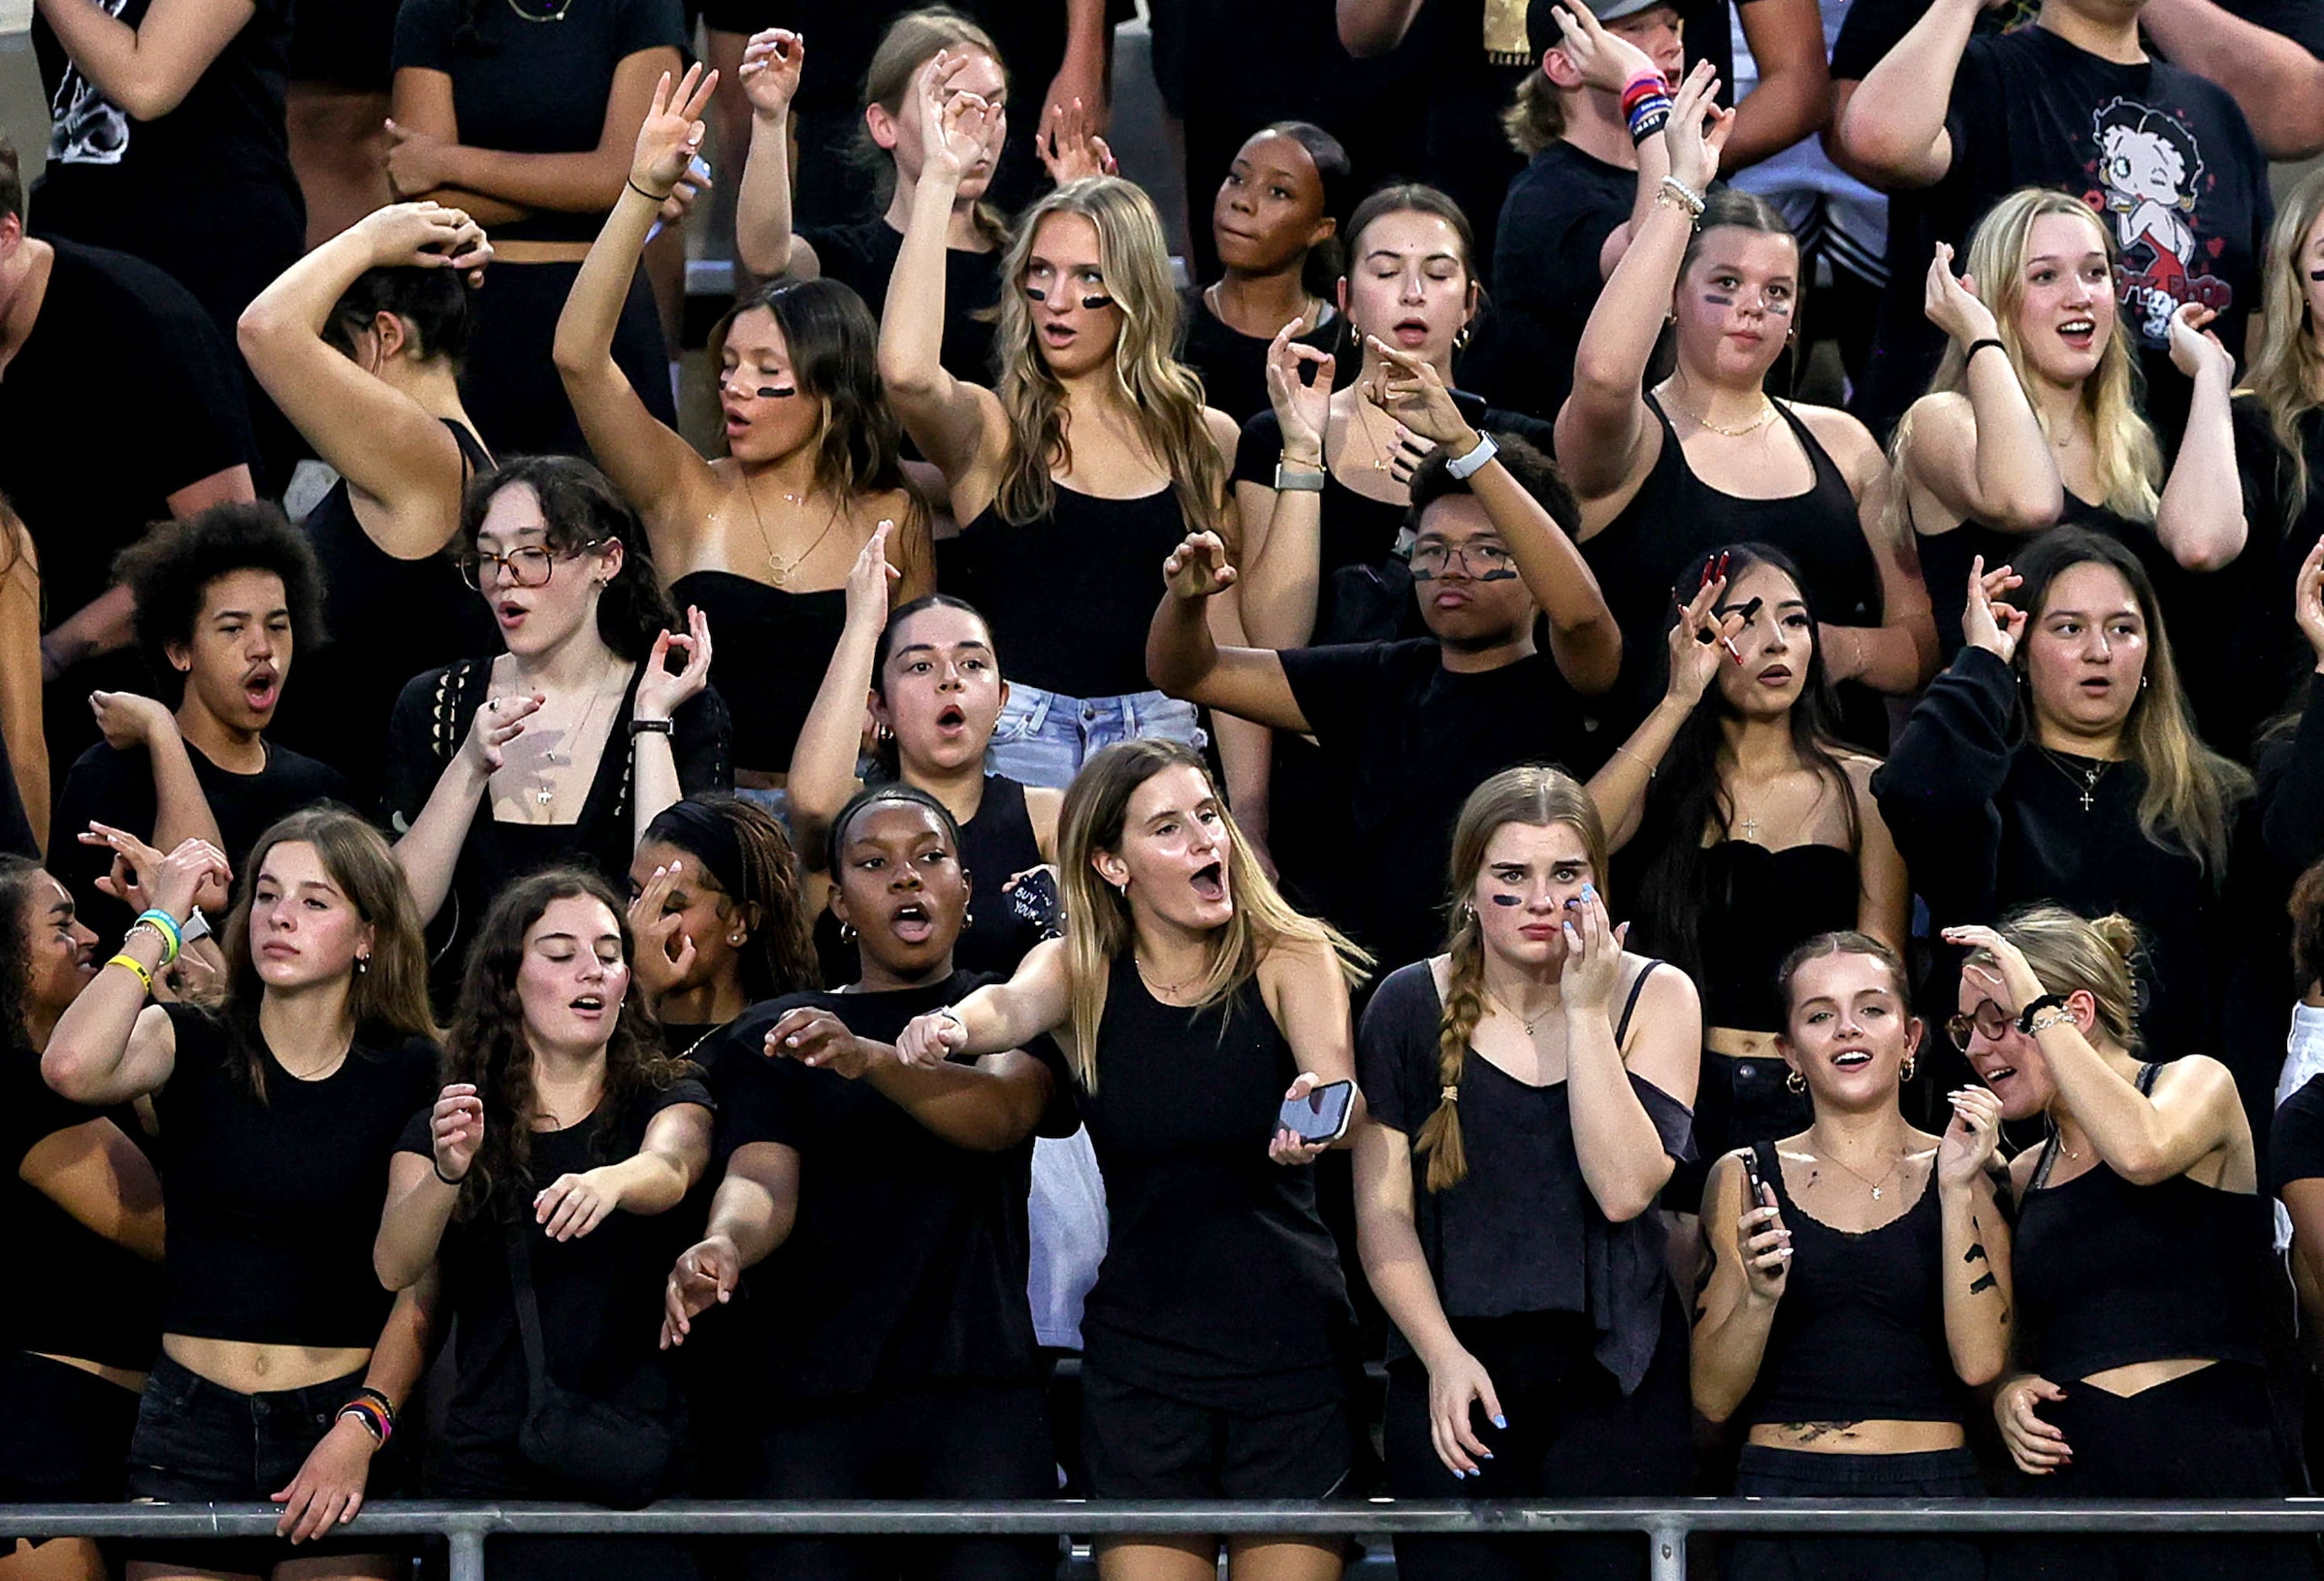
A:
[1480,784]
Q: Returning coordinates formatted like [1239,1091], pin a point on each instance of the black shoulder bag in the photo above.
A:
[609,1454]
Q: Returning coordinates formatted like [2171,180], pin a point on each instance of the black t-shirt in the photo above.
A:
[600,1294]
[907,1260]
[1233,365]
[85,488]
[864,256]
[1477,55]
[1410,740]
[76,1294]
[2262,659]
[112,787]
[2296,1141]
[2164,156]
[273,1204]
[1561,210]
[524,85]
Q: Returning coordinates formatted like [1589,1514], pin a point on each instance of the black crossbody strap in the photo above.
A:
[527,1311]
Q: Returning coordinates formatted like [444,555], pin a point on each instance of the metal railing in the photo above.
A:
[1665,1525]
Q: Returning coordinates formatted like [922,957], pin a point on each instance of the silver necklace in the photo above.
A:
[553,757]
[2088,778]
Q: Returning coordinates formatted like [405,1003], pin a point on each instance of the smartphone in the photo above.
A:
[1751,1174]
[1035,899]
[699,169]
[1322,1115]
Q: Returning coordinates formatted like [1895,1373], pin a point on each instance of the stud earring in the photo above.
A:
[848,932]
[362,964]
[968,919]
[736,938]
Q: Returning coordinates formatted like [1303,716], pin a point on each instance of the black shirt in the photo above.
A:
[1561,210]
[1520,1232]
[600,1294]
[86,487]
[907,1260]
[274,1204]
[1409,739]
[76,1294]
[524,84]
[113,786]
[2263,656]
[862,256]
[1232,365]
[2296,1145]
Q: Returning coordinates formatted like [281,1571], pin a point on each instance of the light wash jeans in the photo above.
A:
[1044,738]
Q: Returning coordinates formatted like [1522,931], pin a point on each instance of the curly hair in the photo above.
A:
[170,570]
[580,509]
[489,1049]
[16,876]
[746,852]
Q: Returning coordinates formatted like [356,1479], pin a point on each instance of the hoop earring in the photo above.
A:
[1795,1082]
[1911,1065]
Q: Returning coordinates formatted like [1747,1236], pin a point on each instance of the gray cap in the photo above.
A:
[1541,27]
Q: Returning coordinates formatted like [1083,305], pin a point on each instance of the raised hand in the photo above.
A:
[665,953]
[1700,639]
[1411,390]
[2010,977]
[2195,347]
[1197,569]
[661,693]
[127,720]
[772,63]
[1697,129]
[1954,305]
[705,1276]
[498,722]
[142,878]
[954,122]
[426,235]
[872,581]
[1988,621]
[1604,59]
[1968,1143]
[2307,601]
[1303,408]
[1070,147]
[671,135]
[456,1130]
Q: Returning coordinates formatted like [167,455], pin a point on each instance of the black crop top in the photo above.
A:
[1744,940]
[1520,1234]
[1069,597]
[2110,1273]
[1859,1335]
[773,648]
[274,1205]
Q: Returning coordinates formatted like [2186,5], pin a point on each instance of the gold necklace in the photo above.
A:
[1309,306]
[777,568]
[1380,454]
[1494,1000]
[1766,415]
[1896,1165]
[1161,990]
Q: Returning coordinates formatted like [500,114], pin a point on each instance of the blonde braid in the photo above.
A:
[1464,1006]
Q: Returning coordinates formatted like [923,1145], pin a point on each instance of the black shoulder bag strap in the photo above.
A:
[528,1313]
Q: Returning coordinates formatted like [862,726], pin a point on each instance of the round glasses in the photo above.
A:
[530,567]
[1988,1020]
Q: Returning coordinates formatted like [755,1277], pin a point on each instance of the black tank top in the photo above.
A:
[1744,940]
[1946,557]
[996,845]
[769,650]
[1859,1335]
[385,620]
[2110,1273]
[1676,518]
[1069,597]
[1219,1285]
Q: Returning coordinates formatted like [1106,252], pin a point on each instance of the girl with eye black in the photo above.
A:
[883,1206]
[1707,456]
[1736,788]
[761,540]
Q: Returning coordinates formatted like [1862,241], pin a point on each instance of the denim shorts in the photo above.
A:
[1044,738]
[200,1442]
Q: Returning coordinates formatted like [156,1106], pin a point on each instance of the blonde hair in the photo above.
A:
[1164,397]
[910,42]
[1098,926]
[2129,459]
[1536,797]
[2070,954]
[1536,116]
[2287,371]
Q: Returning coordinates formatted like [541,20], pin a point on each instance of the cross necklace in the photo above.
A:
[2088,777]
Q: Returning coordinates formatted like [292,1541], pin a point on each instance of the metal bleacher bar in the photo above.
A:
[1665,1524]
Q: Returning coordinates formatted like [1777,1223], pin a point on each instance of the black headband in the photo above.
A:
[706,833]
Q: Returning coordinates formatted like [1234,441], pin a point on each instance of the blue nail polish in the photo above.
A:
[1501,1423]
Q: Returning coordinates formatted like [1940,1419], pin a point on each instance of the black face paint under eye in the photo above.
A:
[1717,299]
[2316,274]
[1036,294]
[1499,899]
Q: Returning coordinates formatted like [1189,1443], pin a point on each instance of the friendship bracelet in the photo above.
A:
[137,966]
[1645,85]
[1649,118]
[631,184]
[173,937]
[373,1418]
[453,1181]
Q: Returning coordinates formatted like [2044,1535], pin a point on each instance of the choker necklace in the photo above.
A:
[1766,415]
[2088,778]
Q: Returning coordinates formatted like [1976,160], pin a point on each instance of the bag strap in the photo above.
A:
[528,1311]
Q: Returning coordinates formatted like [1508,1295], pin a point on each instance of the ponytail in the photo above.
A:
[1464,1006]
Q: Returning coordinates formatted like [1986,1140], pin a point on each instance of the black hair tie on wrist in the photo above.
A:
[2046,1002]
[1975,346]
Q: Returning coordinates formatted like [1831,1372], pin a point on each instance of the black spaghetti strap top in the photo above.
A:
[1946,557]
[385,620]
[1859,1335]
[2110,1273]
[769,649]
[1069,597]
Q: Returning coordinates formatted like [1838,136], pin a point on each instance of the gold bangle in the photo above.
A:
[135,965]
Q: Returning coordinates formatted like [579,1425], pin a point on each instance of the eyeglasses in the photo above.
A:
[530,567]
[1988,1020]
[1482,561]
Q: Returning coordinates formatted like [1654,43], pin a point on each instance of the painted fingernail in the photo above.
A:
[1502,1422]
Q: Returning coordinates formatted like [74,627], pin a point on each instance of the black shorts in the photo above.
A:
[64,1433]
[1766,1473]
[343,43]
[1137,1444]
[199,1442]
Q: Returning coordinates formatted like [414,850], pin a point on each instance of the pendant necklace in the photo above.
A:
[778,568]
[1895,1164]
[2088,778]
[1494,1000]
[553,757]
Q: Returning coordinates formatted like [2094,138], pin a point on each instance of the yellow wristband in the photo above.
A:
[137,966]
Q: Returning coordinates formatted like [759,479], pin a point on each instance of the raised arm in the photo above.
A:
[2201,516]
[108,1048]
[956,426]
[1751,1260]
[1624,1160]
[1794,97]
[773,62]
[430,160]
[1183,659]
[423,1192]
[20,727]
[181,811]
[823,763]
[1283,527]
[989,1106]
[1883,887]
[1700,640]
[388,448]
[1606,437]
[1978,1292]
[1892,129]
[652,466]
[1951,758]
[2274,79]
[653,753]
[146,70]
[1983,458]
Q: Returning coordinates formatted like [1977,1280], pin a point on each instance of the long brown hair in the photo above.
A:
[1098,926]
[1535,797]
[1164,397]
[388,996]
[2287,371]
[489,1049]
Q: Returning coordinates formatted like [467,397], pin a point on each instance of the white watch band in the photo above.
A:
[1465,466]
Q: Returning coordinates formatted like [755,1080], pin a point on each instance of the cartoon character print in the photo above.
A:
[86,128]
[2151,175]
